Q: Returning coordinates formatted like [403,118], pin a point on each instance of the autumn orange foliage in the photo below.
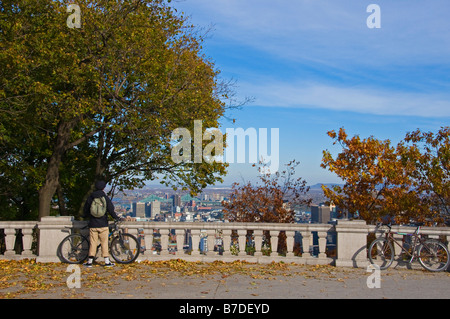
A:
[407,182]
[271,201]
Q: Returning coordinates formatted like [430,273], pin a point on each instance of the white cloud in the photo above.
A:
[360,100]
[331,31]
[328,42]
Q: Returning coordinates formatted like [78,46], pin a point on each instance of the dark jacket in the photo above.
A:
[97,222]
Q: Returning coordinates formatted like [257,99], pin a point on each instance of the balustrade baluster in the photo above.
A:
[290,243]
[306,243]
[226,239]
[10,240]
[211,240]
[181,235]
[274,242]
[258,234]
[164,241]
[242,233]
[195,233]
[27,240]
[322,244]
[148,241]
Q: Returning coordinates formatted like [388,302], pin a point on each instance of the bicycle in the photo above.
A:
[432,254]
[123,247]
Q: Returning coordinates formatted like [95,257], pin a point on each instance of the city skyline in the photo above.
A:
[312,67]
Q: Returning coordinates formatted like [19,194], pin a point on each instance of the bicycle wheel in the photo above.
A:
[433,255]
[124,248]
[381,253]
[74,249]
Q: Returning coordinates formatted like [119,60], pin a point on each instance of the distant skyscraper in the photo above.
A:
[176,202]
[155,208]
[147,209]
[320,214]
[139,209]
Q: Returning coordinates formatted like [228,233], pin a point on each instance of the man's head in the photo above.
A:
[100,185]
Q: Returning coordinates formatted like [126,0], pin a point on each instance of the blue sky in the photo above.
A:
[314,65]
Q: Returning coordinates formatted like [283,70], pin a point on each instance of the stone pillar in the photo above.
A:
[226,239]
[322,244]
[211,239]
[290,243]
[195,233]
[242,233]
[181,234]
[164,241]
[306,243]
[10,240]
[27,240]
[148,240]
[274,242]
[52,230]
[352,243]
[258,234]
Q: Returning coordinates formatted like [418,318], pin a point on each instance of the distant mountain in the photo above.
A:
[319,185]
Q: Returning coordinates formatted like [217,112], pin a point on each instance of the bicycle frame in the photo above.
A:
[417,241]
[432,254]
[115,230]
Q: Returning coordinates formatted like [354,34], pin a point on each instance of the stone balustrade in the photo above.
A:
[343,243]
[236,241]
[17,234]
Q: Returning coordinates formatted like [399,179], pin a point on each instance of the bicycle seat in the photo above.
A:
[418,224]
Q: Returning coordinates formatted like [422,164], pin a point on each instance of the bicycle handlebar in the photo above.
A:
[418,224]
[389,225]
[379,224]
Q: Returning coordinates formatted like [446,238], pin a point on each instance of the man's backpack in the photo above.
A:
[98,207]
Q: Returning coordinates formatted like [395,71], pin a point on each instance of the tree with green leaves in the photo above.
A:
[102,100]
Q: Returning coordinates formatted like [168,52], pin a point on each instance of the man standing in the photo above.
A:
[97,208]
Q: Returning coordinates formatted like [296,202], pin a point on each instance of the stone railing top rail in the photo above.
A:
[223,226]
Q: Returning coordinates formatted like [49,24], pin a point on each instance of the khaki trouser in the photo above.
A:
[96,234]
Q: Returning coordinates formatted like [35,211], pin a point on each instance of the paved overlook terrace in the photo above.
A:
[343,244]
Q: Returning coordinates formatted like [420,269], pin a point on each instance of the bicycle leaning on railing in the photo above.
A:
[432,254]
[123,247]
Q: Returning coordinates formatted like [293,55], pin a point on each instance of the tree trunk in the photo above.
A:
[50,186]
[45,198]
